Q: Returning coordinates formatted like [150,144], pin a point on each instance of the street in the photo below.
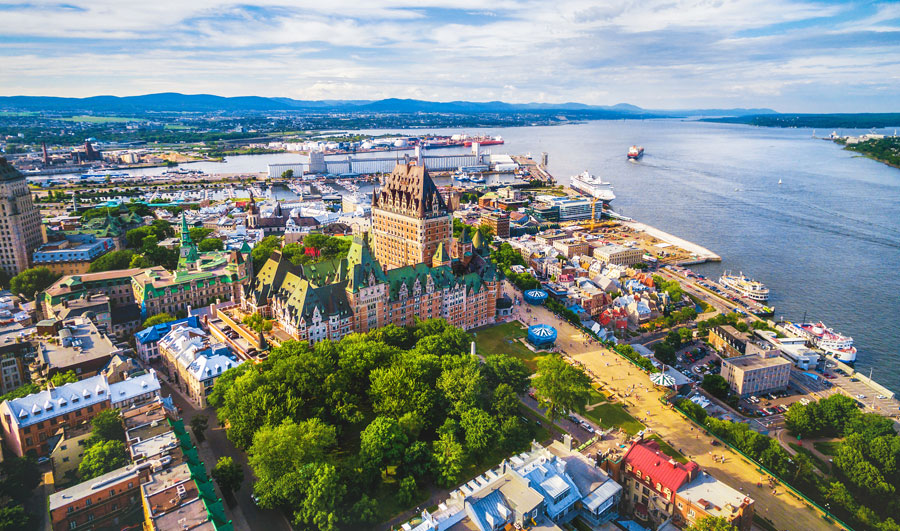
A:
[246,514]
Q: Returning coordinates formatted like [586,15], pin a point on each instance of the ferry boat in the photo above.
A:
[593,186]
[635,152]
[99,174]
[746,287]
[834,343]
[483,140]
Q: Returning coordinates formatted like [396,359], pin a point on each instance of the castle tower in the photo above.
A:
[409,218]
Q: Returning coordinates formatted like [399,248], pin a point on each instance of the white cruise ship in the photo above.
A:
[834,343]
[593,186]
[746,287]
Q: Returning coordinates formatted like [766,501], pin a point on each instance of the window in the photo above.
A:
[691,513]
[88,502]
[73,524]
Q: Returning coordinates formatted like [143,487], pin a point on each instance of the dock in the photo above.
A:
[699,253]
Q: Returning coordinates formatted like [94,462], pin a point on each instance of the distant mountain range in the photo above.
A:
[175,102]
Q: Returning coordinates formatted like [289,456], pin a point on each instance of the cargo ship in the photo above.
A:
[838,345]
[593,186]
[483,140]
[744,286]
[635,152]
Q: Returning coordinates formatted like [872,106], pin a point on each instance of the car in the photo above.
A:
[804,401]
[861,397]
[587,427]
[854,379]
[42,460]
[881,397]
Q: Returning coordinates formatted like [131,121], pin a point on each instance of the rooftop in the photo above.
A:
[86,344]
[155,445]
[191,515]
[646,457]
[133,387]
[99,484]
[51,403]
[753,361]
[714,496]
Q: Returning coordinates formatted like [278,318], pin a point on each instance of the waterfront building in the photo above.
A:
[658,489]
[193,362]
[619,255]
[755,374]
[201,279]
[409,218]
[498,221]
[20,221]
[72,255]
[544,488]
[331,299]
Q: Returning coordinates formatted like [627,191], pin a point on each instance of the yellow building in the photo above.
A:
[409,218]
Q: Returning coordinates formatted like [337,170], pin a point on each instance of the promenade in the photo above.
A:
[616,375]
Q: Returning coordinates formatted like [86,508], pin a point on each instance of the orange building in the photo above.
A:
[409,218]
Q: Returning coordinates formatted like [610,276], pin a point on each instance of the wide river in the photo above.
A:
[826,241]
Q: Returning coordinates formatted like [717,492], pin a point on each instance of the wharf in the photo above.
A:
[699,254]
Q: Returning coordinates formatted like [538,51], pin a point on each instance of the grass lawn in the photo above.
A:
[668,449]
[821,465]
[542,425]
[596,397]
[827,448]
[499,339]
[614,416]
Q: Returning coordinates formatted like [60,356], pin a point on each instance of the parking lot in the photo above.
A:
[864,394]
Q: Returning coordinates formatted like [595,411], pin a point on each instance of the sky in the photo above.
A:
[788,55]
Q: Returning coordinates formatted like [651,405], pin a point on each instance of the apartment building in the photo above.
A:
[755,374]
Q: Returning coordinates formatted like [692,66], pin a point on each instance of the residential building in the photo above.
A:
[193,362]
[147,340]
[331,299]
[17,351]
[29,423]
[660,489]
[409,218]
[755,374]
[619,255]
[67,451]
[73,254]
[114,284]
[199,280]
[78,346]
[571,247]
[98,503]
[541,489]
[20,221]
[498,221]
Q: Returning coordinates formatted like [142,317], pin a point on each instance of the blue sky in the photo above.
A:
[793,56]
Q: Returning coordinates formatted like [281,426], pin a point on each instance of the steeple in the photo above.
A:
[440,258]
[477,242]
[185,231]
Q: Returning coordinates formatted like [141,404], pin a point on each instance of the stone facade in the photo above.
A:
[20,222]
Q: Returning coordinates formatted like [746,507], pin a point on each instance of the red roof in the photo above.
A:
[645,456]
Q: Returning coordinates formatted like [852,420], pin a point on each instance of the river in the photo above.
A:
[826,241]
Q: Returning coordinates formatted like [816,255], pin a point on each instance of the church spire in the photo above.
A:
[185,232]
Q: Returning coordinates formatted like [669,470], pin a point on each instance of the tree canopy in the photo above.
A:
[158,319]
[711,523]
[31,281]
[560,387]
[101,458]
[112,260]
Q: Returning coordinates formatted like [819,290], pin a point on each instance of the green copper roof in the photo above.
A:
[185,231]
[440,255]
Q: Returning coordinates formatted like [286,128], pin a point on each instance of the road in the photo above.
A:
[784,510]
[246,514]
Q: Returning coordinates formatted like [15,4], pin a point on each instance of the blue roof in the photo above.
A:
[152,334]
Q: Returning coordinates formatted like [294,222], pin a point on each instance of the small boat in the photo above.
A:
[635,152]
[779,181]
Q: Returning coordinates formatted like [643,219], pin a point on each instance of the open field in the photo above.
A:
[500,339]
[827,448]
[614,416]
[98,119]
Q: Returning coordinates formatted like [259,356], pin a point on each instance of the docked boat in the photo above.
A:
[593,186]
[477,179]
[462,177]
[745,286]
[483,140]
[834,343]
[100,174]
[635,152]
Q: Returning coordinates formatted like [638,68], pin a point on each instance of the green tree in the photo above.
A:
[513,435]
[14,518]
[278,453]
[112,261]
[382,442]
[199,425]
[560,387]
[107,426]
[449,457]
[417,460]
[502,369]
[505,403]
[258,323]
[159,318]
[693,410]
[711,523]
[101,458]
[262,250]
[198,234]
[715,385]
[20,476]
[210,244]
[228,474]
[31,281]
[63,378]
[287,174]
[479,429]
[408,491]
[461,382]
[365,511]
[664,352]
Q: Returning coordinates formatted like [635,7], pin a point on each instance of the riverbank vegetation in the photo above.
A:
[886,150]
